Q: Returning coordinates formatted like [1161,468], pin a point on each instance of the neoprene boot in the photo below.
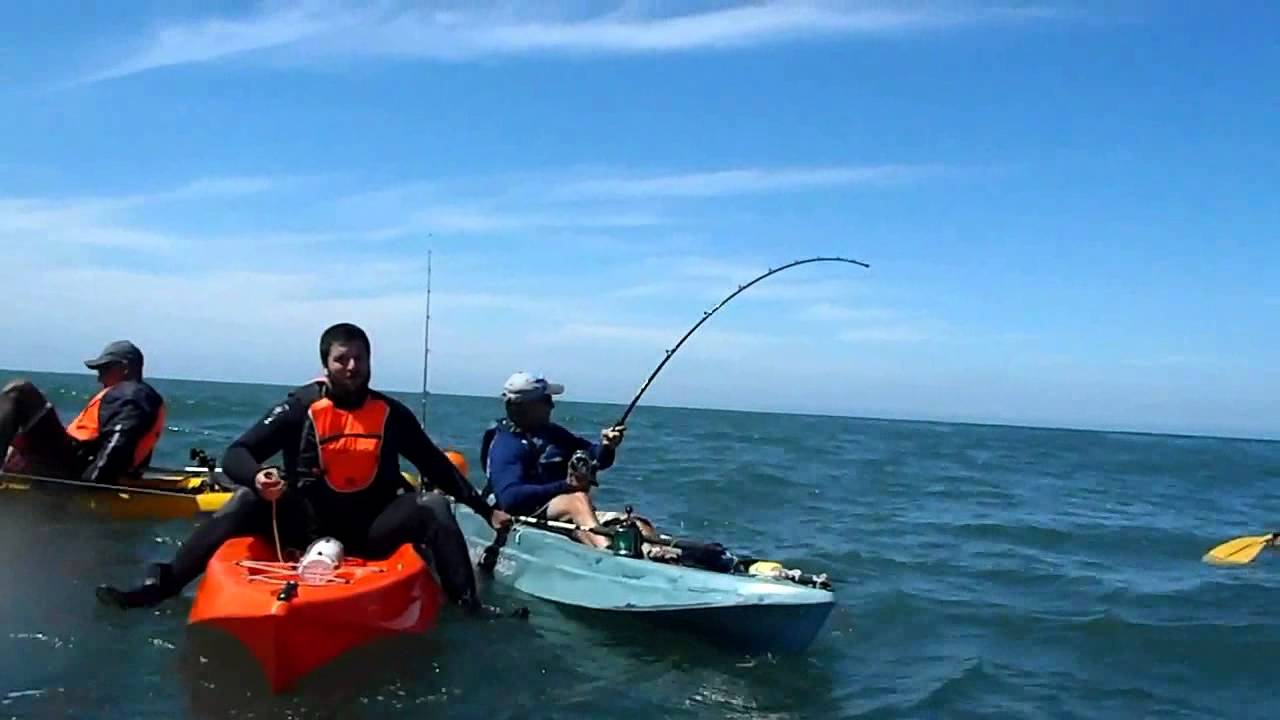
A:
[157,588]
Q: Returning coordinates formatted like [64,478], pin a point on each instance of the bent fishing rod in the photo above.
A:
[707,316]
[489,555]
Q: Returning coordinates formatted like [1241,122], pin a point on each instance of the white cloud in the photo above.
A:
[463,219]
[612,331]
[886,334]
[304,31]
[266,292]
[565,201]
[728,27]
[874,325]
[835,312]
[1176,360]
[35,223]
[707,267]
[248,325]
[206,40]
[646,290]
[98,221]
[663,338]
[744,181]
[211,187]
[710,279]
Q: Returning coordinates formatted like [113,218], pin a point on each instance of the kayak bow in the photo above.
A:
[292,627]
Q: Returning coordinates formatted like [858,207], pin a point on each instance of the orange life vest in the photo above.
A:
[349,442]
[86,428]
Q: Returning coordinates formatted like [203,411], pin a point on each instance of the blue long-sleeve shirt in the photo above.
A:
[526,470]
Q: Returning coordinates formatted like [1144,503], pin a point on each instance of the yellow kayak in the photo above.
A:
[158,494]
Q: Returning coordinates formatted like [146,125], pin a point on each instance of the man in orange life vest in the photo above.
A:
[340,444]
[111,438]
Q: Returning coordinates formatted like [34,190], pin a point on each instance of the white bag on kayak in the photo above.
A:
[321,560]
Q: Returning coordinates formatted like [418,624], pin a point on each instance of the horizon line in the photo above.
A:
[792,413]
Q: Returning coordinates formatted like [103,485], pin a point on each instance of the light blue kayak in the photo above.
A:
[750,613]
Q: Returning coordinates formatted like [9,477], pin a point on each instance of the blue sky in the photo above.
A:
[1069,209]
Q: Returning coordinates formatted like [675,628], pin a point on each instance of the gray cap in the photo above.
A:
[523,386]
[120,351]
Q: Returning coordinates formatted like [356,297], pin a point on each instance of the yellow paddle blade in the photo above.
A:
[1239,551]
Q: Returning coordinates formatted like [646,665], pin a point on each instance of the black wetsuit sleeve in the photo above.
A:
[278,427]
[124,417]
[411,441]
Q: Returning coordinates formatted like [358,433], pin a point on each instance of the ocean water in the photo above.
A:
[980,572]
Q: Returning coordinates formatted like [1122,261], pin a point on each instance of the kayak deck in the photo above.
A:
[292,627]
[747,612]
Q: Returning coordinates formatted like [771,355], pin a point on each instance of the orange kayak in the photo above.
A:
[293,627]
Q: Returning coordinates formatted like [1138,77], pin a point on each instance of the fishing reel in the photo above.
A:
[200,458]
[627,539]
[581,464]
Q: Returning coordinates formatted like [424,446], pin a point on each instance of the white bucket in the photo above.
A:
[322,558]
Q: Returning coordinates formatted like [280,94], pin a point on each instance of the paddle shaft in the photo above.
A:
[707,316]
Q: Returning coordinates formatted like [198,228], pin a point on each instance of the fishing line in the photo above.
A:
[707,316]
[275,531]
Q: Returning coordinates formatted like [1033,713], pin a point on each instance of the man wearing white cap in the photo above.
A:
[526,457]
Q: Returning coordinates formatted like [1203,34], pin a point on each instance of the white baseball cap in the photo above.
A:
[523,386]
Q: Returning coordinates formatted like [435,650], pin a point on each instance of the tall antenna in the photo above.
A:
[426,343]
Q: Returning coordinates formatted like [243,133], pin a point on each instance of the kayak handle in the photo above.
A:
[288,592]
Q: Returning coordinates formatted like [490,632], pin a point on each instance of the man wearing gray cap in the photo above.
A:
[111,438]
[526,458]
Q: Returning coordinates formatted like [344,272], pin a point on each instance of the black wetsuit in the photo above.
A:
[372,522]
[42,445]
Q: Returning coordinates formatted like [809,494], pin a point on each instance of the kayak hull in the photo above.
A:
[743,612]
[193,495]
[291,635]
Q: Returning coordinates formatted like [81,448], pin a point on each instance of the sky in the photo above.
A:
[1069,209]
